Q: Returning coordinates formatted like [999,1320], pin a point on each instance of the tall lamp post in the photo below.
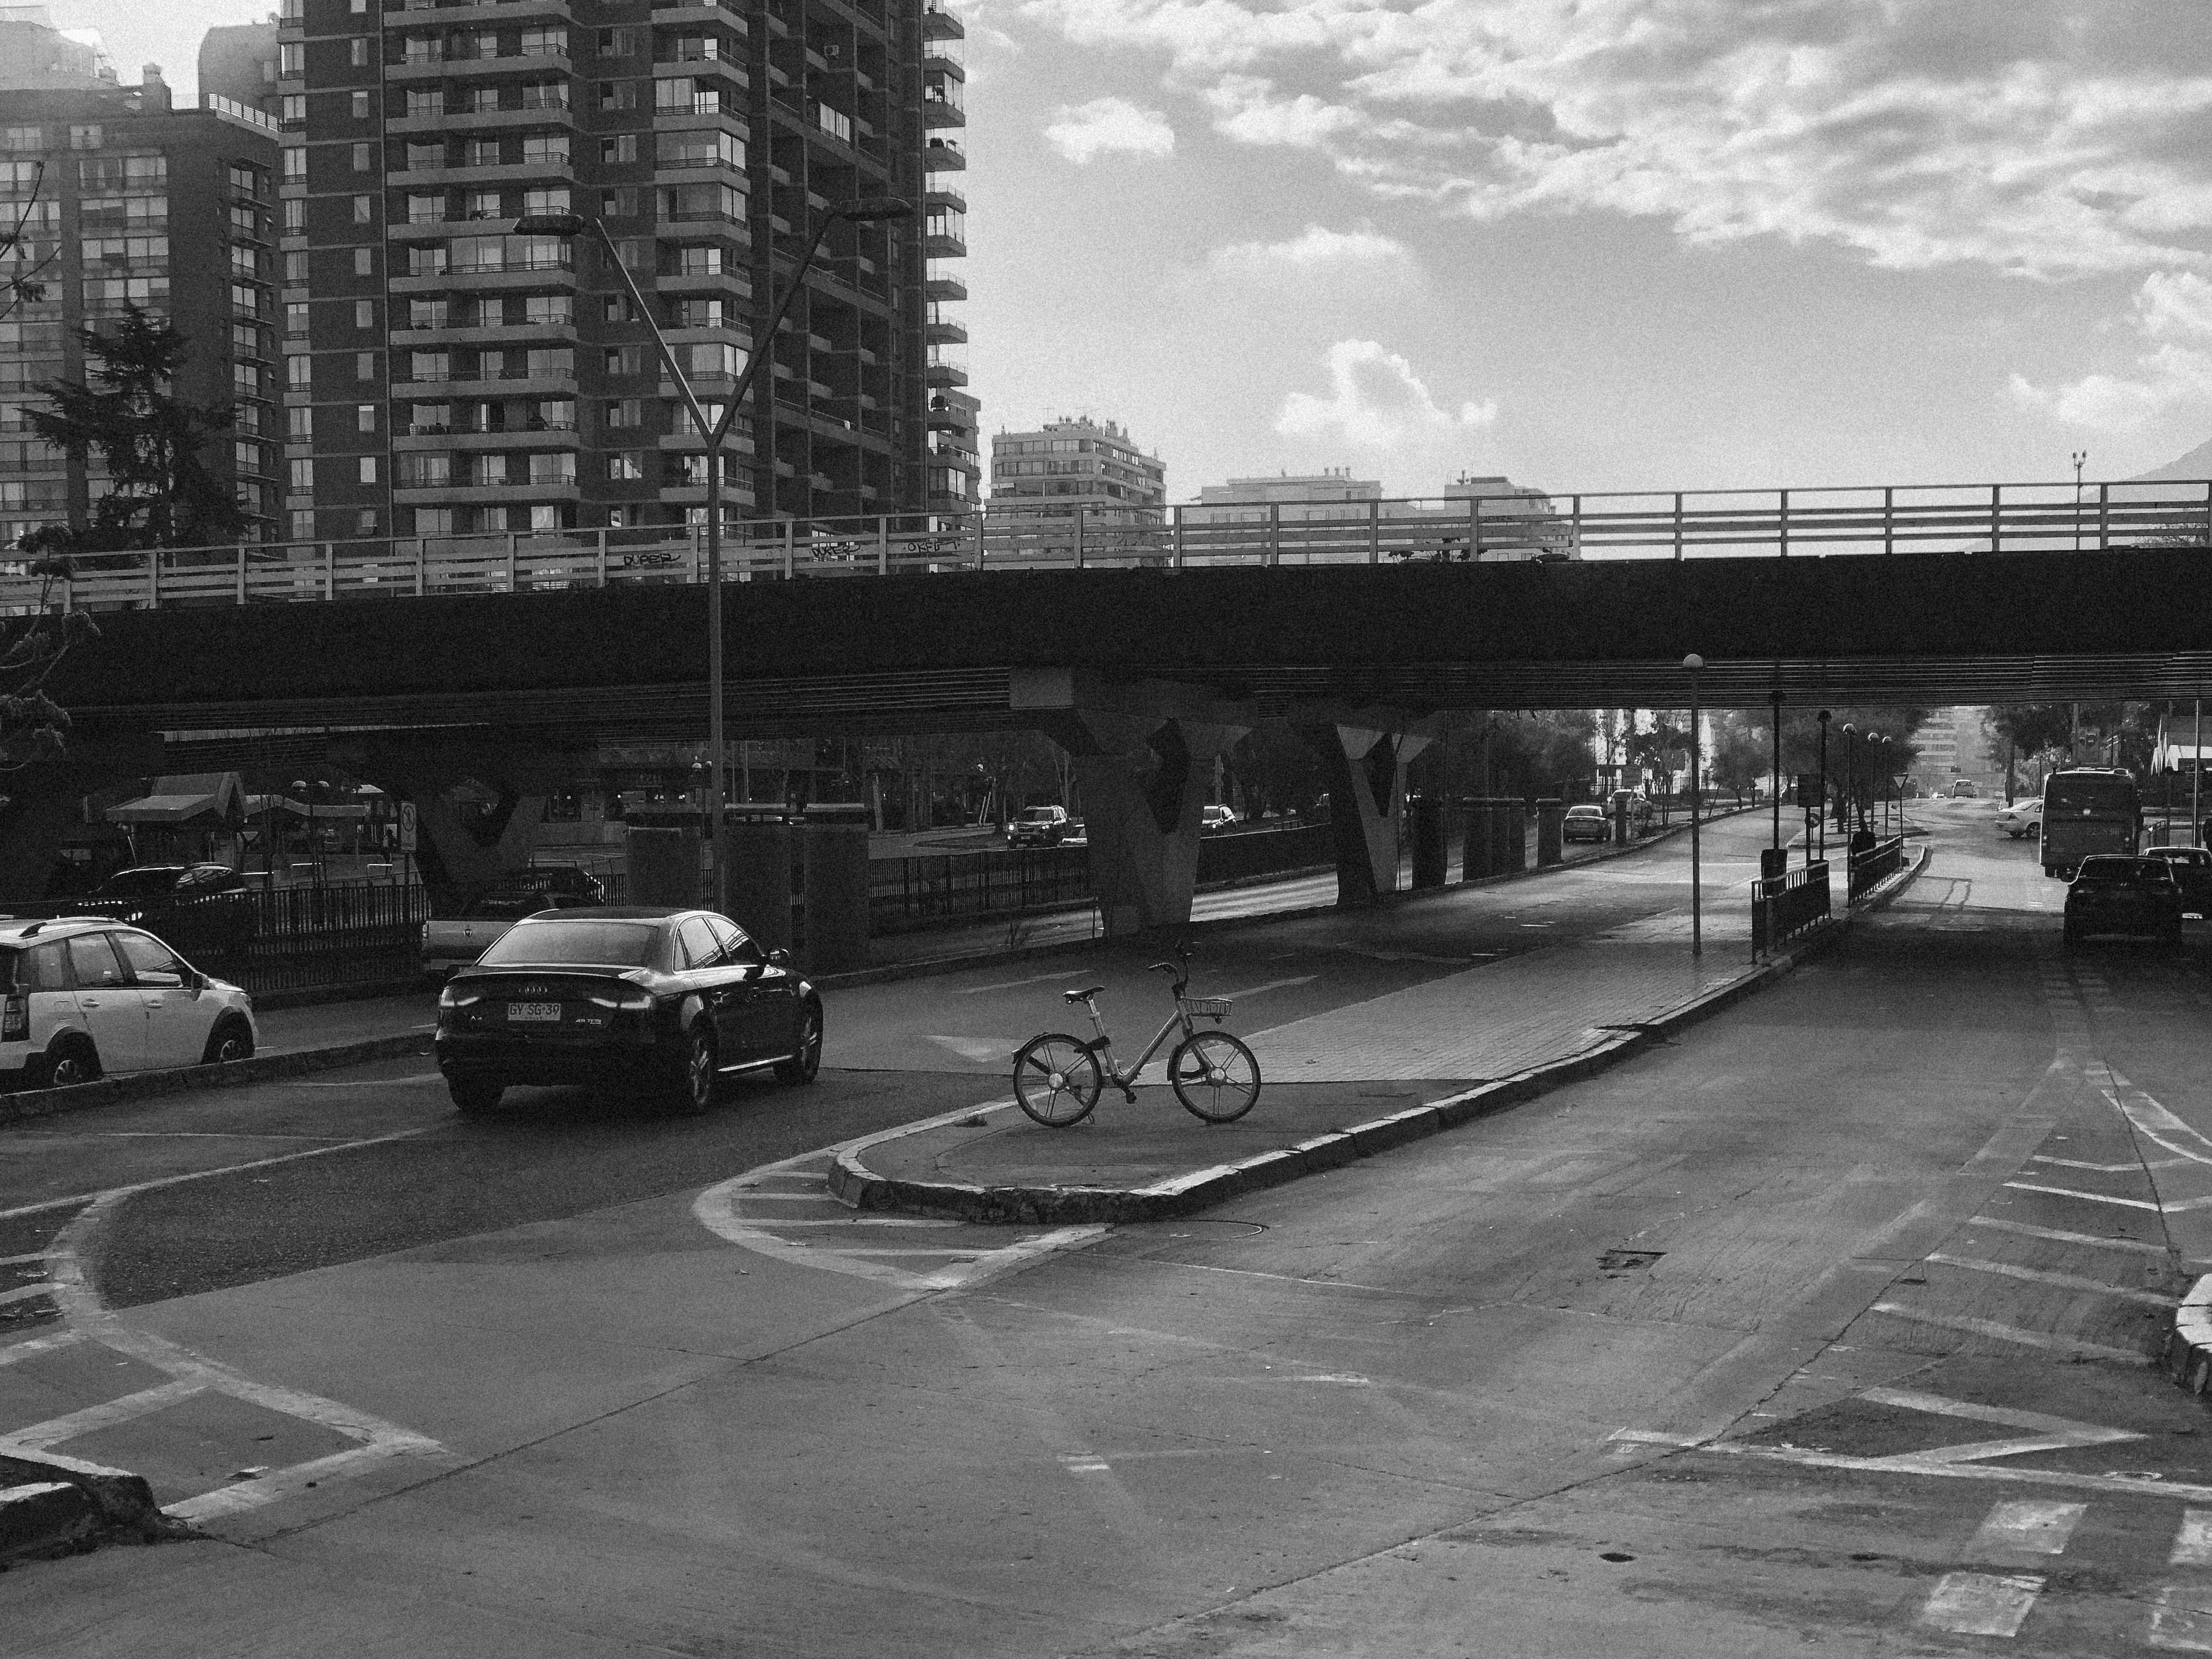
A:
[1695,664]
[1850,785]
[1822,815]
[867,209]
[2080,456]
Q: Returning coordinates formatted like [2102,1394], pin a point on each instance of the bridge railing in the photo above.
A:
[1784,906]
[1522,526]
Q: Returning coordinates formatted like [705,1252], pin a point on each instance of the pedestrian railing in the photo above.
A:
[1521,526]
[1870,867]
[1785,906]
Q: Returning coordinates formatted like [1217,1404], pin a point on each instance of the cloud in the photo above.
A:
[1084,130]
[1315,248]
[2036,136]
[2174,316]
[1375,401]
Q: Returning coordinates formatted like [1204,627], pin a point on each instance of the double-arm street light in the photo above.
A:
[867,209]
[1695,664]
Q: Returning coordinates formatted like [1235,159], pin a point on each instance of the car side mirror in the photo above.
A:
[162,980]
[779,957]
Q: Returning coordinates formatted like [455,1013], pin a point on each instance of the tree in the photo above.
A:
[23,261]
[33,727]
[164,493]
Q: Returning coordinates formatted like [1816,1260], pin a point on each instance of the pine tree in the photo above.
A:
[163,493]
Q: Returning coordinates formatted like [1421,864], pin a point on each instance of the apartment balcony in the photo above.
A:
[673,12]
[935,332]
[937,196]
[416,71]
[489,120]
[938,246]
[944,374]
[705,284]
[520,334]
[496,173]
[937,112]
[431,442]
[944,288]
[949,419]
[520,385]
[456,280]
[480,12]
[485,494]
[937,24]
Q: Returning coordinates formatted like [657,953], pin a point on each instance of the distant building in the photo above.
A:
[34,55]
[1951,744]
[1039,481]
[1517,522]
[1304,495]
[238,62]
[105,181]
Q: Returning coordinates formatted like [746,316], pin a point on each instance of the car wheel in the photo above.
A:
[230,1040]
[701,1071]
[475,1095]
[74,1062]
[805,1063]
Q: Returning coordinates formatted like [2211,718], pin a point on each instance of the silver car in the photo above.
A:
[81,996]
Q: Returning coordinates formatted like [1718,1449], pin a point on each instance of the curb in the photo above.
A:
[2189,1344]
[69,1504]
[147,1086]
[854,1184]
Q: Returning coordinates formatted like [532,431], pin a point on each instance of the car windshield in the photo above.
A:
[1584,812]
[599,944]
[1038,815]
[2075,791]
[2124,873]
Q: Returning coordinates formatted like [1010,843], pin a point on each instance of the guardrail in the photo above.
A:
[1783,907]
[1519,527]
[1869,867]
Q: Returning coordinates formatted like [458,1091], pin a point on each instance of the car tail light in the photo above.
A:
[15,1019]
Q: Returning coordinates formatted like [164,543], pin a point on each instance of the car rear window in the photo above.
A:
[599,944]
[506,907]
[2137,873]
[2071,794]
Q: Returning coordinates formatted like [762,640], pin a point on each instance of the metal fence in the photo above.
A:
[1994,518]
[909,893]
[1869,867]
[1786,906]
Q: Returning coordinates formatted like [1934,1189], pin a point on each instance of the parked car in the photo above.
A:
[1965,789]
[1212,820]
[1038,826]
[84,996]
[622,996]
[170,881]
[451,942]
[1585,821]
[1639,809]
[2023,817]
[2192,868]
[2114,895]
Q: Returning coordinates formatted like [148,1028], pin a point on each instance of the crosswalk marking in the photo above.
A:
[2060,1235]
[2027,1528]
[2041,1276]
[1990,1327]
[2178,1626]
[1980,1603]
[2192,1543]
[2090,1198]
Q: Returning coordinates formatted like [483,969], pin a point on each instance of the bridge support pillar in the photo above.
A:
[1367,772]
[1144,781]
[41,804]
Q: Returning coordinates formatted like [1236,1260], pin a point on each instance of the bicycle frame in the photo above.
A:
[1103,1046]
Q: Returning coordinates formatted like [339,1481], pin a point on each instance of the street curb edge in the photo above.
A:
[257,1068]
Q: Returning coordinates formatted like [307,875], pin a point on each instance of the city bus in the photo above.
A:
[2086,810]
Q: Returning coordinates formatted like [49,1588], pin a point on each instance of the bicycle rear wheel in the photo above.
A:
[1056,1079]
[1215,1076]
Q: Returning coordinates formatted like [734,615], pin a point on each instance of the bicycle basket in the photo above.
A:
[1211,1007]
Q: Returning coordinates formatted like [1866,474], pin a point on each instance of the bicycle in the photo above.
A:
[1057,1077]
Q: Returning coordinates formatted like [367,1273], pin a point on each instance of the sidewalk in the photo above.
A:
[1465,1044]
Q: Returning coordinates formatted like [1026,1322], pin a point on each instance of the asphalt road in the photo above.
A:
[1609,1374]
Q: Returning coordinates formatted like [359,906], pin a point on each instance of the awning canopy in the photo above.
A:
[212,797]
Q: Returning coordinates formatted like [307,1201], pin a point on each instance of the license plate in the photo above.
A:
[547,1012]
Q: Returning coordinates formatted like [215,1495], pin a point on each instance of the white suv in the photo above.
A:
[1038,826]
[81,996]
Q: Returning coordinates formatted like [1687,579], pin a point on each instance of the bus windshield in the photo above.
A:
[2089,792]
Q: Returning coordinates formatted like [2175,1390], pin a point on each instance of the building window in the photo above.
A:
[360,158]
[364,366]
[624,202]
[295,266]
[368,469]
[364,262]
[299,370]
[364,417]
[364,212]
[620,43]
[364,313]
[426,259]
[434,520]
[299,423]
[303,476]
[625,359]
[555,199]
[545,42]
[618,94]
[369,521]
[622,147]
[429,366]
[292,59]
[295,318]
[552,363]
[421,156]
[426,207]
[302,520]
[545,94]
[626,468]
[296,164]
[295,215]
[836,123]
[626,412]
[549,310]
[361,106]
[482,205]
[360,50]
[423,102]
[546,149]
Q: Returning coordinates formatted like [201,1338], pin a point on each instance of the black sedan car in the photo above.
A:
[673,1000]
[2112,893]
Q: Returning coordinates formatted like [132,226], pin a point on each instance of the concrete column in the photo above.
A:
[1145,783]
[1434,821]
[462,846]
[1516,833]
[661,864]
[834,838]
[1551,833]
[760,873]
[1367,772]
[1475,861]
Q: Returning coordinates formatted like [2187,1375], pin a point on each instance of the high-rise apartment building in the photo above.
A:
[445,374]
[1290,497]
[124,199]
[238,62]
[1040,480]
[34,54]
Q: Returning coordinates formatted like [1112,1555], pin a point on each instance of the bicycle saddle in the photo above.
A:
[1082,996]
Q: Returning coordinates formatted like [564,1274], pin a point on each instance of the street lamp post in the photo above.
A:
[2080,456]
[1822,815]
[1850,784]
[1695,664]
[867,209]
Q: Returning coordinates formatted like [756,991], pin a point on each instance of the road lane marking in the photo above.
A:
[2092,1198]
[1980,1604]
[1991,1329]
[38,1436]
[864,1220]
[1000,1049]
[2070,1281]
[1084,1465]
[1015,984]
[36,1345]
[1272,985]
[2179,1629]
[2192,1540]
[2083,1434]
[25,1293]
[209,1175]
[2027,1527]
[2112,1169]
[21,1260]
[2064,1237]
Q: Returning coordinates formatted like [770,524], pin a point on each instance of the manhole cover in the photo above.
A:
[1615,1261]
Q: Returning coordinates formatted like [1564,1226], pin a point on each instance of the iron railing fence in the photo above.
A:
[1869,867]
[1785,906]
[2001,518]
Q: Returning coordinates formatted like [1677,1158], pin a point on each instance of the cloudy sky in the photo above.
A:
[1594,244]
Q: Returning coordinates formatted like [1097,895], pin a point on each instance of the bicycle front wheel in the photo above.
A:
[1056,1079]
[1215,1076]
